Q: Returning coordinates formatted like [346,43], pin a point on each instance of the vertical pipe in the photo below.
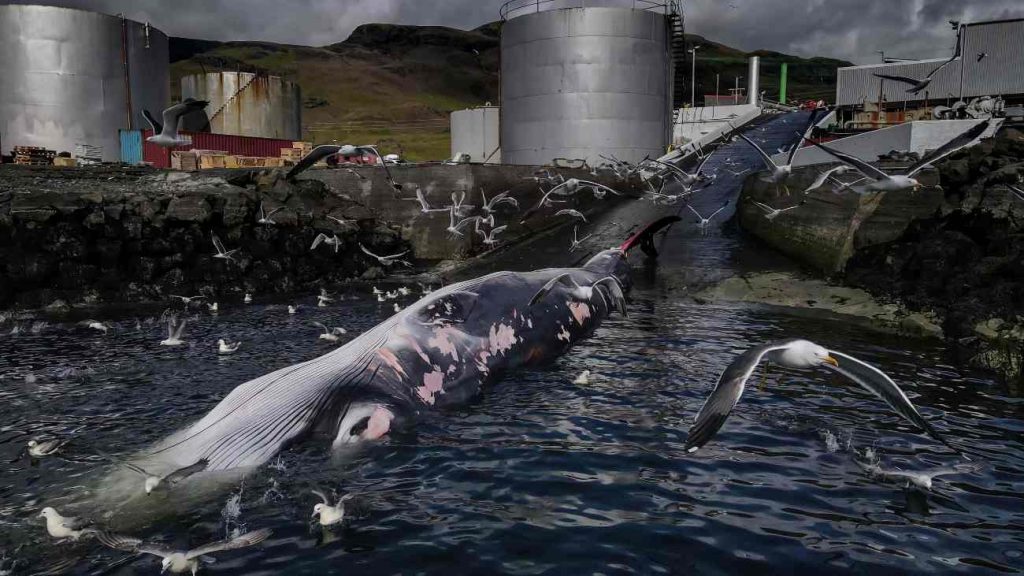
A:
[124,63]
[753,79]
[961,39]
[782,82]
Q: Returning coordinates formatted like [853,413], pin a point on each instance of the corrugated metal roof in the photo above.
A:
[1000,72]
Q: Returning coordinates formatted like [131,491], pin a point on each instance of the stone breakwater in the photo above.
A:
[91,236]
[955,250]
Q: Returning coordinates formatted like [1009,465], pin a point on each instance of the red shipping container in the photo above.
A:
[160,157]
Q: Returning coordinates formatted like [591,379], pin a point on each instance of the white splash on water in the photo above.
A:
[273,493]
[232,512]
[278,465]
[831,443]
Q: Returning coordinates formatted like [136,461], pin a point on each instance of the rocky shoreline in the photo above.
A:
[94,236]
[953,252]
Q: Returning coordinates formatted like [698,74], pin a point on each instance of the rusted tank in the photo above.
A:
[247,104]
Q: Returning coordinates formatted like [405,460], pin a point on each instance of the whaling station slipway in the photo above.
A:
[546,336]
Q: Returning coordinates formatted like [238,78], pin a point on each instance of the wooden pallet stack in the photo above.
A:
[33,156]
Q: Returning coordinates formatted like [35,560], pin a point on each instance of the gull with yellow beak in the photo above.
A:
[796,354]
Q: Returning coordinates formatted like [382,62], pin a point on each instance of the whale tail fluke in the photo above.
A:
[645,237]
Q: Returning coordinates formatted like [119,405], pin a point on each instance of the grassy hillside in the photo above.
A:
[395,85]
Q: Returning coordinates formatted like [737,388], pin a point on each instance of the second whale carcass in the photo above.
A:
[439,351]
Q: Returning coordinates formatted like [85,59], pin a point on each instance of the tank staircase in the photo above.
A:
[233,96]
[677,47]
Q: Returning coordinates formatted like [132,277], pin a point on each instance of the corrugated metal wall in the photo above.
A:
[131,146]
[236,145]
[1000,72]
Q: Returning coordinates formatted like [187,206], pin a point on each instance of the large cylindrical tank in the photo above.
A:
[70,77]
[581,82]
[247,104]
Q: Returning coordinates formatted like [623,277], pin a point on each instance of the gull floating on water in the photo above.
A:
[397,307]
[386,260]
[166,134]
[330,514]
[96,325]
[174,332]
[404,290]
[154,481]
[293,309]
[248,298]
[225,347]
[64,526]
[213,308]
[796,353]
[922,480]
[330,334]
[583,378]
[222,254]
[882,182]
[181,561]
[265,217]
[43,448]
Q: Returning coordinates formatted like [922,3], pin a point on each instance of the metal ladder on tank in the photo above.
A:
[233,96]
[677,47]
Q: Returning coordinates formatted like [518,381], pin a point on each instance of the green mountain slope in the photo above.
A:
[396,85]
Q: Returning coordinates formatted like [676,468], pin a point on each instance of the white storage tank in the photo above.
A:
[475,132]
[247,104]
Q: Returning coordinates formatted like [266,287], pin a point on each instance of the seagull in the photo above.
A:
[391,294]
[265,218]
[213,308]
[424,205]
[397,308]
[981,56]
[576,242]
[404,290]
[377,291]
[221,252]
[181,561]
[916,86]
[544,201]
[328,514]
[685,178]
[174,332]
[780,173]
[293,309]
[583,378]
[503,198]
[152,480]
[773,213]
[386,260]
[882,182]
[425,289]
[459,206]
[330,334]
[43,448]
[571,213]
[96,325]
[922,480]
[574,185]
[585,293]
[322,238]
[225,347]
[455,225]
[703,222]
[489,238]
[187,300]
[166,135]
[338,220]
[796,353]
[248,298]
[827,175]
[64,526]
[326,150]
[323,299]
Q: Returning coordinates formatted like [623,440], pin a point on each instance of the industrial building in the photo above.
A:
[989,73]
[247,104]
[72,78]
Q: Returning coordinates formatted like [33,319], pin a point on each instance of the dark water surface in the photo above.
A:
[542,475]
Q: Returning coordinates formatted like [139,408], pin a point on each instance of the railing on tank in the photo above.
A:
[514,8]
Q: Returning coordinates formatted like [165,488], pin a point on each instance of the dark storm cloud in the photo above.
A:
[848,29]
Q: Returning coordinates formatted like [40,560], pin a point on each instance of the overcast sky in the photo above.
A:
[847,29]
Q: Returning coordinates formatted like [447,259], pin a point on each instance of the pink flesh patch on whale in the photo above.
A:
[442,340]
[502,337]
[379,423]
[580,311]
[433,383]
[391,360]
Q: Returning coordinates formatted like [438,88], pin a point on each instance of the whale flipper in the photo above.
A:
[545,289]
[453,308]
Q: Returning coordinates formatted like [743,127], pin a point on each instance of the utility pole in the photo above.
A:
[693,76]
[882,52]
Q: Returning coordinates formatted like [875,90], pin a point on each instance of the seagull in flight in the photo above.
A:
[96,325]
[425,207]
[796,353]
[325,150]
[174,332]
[153,481]
[577,241]
[331,240]
[265,217]
[458,206]
[916,86]
[922,480]
[221,252]
[503,198]
[489,238]
[187,300]
[386,260]
[703,222]
[828,175]
[585,293]
[781,172]
[166,134]
[882,182]
[574,185]
[572,214]
[181,561]
[455,225]
[330,334]
[773,213]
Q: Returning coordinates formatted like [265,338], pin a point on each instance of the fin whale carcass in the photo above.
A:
[439,351]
